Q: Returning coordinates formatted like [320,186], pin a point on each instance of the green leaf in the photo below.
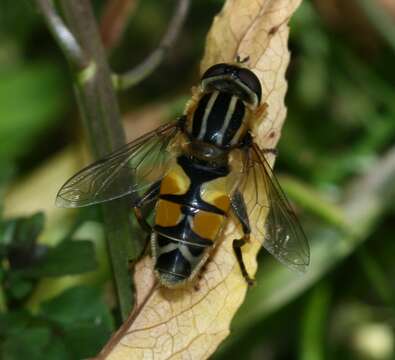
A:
[67,258]
[85,341]
[85,320]
[79,305]
[18,239]
[18,287]
[22,232]
[13,322]
[56,350]
[26,344]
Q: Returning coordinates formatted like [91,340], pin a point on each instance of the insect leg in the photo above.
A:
[150,196]
[261,111]
[141,220]
[270,151]
[240,211]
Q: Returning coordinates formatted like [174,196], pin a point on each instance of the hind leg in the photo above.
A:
[237,245]
[240,211]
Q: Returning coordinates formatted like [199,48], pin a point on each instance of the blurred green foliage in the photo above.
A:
[75,324]
[341,119]
[34,87]
[32,98]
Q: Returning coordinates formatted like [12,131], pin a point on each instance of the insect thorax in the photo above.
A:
[218,119]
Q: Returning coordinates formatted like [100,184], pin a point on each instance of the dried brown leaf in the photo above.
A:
[190,324]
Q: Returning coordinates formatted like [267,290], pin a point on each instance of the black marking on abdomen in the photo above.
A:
[174,262]
[183,233]
[198,175]
[178,250]
[192,201]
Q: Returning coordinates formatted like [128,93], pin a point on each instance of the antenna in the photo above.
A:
[240,61]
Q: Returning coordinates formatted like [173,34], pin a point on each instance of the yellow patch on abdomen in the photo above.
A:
[221,201]
[167,213]
[217,198]
[207,224]
[176,182]
[216,193]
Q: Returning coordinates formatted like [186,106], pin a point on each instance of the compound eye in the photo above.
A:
[235,80]
[216,70]
[248,78]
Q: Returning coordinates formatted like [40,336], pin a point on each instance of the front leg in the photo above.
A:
[261,111]
[239,209]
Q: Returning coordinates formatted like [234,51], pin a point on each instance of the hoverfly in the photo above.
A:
[195,171]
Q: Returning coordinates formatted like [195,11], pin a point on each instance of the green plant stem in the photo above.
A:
[101,117]
[376,276]
[314,203]
[314,322]
[65,39]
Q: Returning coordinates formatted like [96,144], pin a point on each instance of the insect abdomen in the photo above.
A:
[189,216]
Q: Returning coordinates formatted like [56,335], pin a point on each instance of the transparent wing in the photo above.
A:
[127,171]
[281,233]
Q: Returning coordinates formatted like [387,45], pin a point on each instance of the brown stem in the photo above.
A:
[114,19]
[141,71]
